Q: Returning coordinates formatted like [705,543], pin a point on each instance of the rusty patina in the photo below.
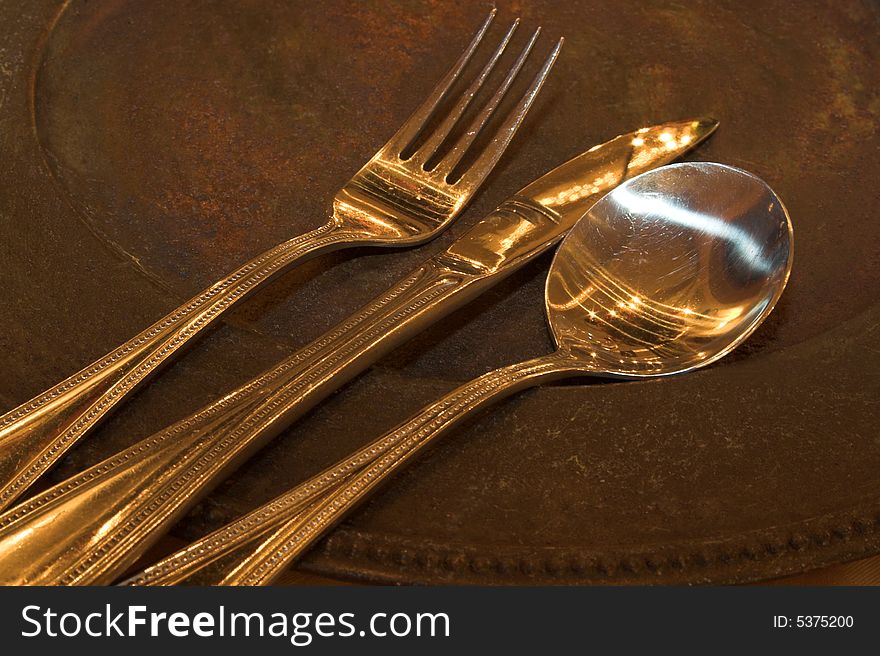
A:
[150,147]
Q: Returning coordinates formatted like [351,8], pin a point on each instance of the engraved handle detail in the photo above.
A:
[91,527]
[258,547]
[35,435]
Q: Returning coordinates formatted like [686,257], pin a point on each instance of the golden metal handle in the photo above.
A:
[35,435]
[209,561]
[89,528]
[257,548]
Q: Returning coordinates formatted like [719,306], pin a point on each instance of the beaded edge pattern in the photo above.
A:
[90,370]
[401,444]
[427,561]
[428,294]
[276,406]
[265,265]
[225,449]
[285,507]
[262,515]
[202,416]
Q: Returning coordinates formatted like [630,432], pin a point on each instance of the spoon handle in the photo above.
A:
[258,547]
[35,435]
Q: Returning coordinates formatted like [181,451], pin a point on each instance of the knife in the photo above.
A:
[93,526]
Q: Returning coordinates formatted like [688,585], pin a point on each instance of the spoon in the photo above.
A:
[667,273]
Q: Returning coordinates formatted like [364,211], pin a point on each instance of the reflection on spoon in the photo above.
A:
[670,271]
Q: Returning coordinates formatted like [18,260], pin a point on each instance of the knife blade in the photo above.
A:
[91,527]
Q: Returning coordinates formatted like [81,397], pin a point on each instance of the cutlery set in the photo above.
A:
[663,268]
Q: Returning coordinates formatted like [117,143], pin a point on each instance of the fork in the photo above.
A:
[393,201]
[90,528]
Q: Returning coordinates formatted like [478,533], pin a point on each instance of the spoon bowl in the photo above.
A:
[669,271]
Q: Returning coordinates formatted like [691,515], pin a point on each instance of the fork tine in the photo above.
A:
[455,154]
[478,171]
[430,146]
[411,128]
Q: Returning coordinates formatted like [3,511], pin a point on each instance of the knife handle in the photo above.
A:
[35,435]
[91,527]
[257,548]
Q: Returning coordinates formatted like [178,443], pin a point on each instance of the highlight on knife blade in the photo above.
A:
[570,189]
[541,213]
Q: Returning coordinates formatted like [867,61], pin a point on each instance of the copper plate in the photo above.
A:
[149,147]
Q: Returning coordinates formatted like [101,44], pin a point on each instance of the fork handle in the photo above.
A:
[35,435]
[91,527]
[257,548]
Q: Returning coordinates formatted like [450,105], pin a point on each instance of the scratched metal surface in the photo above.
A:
[149,147]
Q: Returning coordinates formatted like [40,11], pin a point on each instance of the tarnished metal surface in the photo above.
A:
[164,143]
[394,200]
